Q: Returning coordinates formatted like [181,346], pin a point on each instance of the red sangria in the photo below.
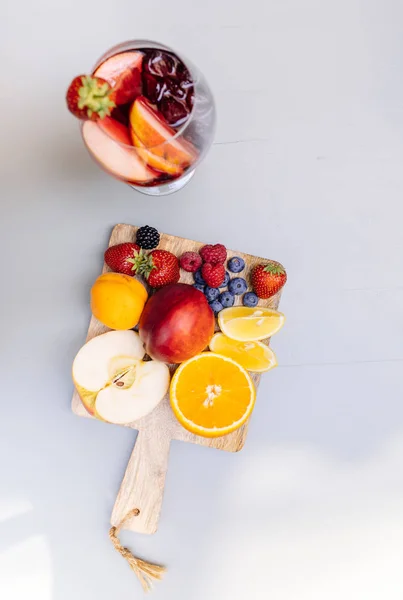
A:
[147,116]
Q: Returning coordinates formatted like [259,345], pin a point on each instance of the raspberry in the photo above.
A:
[213,275]
[214,255]
[190,262]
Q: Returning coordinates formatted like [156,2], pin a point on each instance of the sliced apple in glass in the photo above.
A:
[123,73]
[110,144]
[113,381]
[158,137]
[153,160]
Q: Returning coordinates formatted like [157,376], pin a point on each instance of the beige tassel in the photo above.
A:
[145,571]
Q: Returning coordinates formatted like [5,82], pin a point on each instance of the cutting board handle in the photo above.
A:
[143,484]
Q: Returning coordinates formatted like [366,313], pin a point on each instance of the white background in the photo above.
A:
[306,169]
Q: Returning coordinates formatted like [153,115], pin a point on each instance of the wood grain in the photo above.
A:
[144,480]
[143,483]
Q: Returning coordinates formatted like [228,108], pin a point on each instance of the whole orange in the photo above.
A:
[118,300]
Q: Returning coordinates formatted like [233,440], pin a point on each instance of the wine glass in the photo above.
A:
[164,121]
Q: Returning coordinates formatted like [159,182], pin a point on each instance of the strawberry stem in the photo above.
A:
[274,269]
[143,263]
[95,97]
[134,260]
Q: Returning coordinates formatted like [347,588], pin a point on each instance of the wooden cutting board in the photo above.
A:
[143,483]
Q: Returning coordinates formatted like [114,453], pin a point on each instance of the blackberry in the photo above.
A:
[147,237]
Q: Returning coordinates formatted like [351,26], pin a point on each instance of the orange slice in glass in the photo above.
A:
[153,160]
[212,395]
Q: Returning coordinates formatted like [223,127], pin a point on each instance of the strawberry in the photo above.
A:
[214,255]
[159,268]
[213,275]
[268,279]
[122,258]
[90,98]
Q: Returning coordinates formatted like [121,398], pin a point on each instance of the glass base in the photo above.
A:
[166,188]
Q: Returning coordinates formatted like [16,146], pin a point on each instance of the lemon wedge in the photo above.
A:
[252,356]
[246,324]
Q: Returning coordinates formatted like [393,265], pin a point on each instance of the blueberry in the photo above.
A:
[211,293]
[236,264]
[216,306]
[198,278]
[226,280]
[226,299]
[237,286]
[199,287]
[250,299]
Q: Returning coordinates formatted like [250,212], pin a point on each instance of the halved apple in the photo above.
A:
[153,160]
[123,73]
[104,139]
[158,137]
[113,381]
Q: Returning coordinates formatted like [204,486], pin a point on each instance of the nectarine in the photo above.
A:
[176,324]
[117,300]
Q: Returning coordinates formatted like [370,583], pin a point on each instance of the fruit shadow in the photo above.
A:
[67,470]
[71,480]
[309,458]
[70,161]
[269,508]
[187,528]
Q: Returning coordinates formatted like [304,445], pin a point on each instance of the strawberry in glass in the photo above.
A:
[147,116]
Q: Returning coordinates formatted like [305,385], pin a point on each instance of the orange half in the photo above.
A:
[212,395]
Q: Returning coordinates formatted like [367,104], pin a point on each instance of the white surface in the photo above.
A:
[306,169]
